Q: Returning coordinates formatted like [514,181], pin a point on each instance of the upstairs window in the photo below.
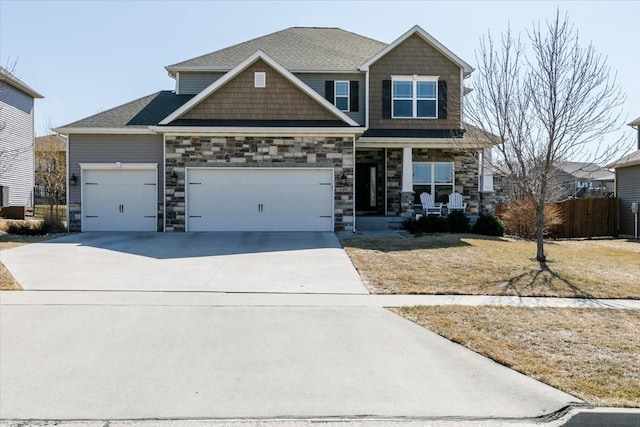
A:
[341,92]
[344,94]
[414,97]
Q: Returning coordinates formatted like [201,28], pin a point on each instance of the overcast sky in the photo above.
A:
[89,56]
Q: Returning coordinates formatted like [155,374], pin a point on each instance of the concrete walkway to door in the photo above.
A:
[284,262]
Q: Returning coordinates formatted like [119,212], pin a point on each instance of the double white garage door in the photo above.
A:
[246,199]
[217,199]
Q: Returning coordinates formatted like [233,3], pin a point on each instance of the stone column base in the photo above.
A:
[406,204]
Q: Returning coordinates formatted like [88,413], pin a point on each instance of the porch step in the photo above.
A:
[378,222]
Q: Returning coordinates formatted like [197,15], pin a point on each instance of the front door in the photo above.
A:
[367,187]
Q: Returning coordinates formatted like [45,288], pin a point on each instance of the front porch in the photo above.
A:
[384,187]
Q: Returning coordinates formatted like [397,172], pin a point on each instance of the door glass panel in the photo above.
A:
[372,186]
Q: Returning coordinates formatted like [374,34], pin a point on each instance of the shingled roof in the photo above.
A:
[141,113]
[296,49]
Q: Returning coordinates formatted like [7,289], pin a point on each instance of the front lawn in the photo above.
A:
[480,265]
[593,354]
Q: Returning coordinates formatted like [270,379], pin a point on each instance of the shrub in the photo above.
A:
[54,224]
[426,224]
[458,222]
[519,219]
[27,227]
[488,225]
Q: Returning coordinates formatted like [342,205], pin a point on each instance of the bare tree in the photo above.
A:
[546,101]
[51,171]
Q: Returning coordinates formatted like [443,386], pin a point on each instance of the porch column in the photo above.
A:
[406,195]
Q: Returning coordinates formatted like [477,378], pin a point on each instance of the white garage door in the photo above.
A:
[249,199]
[119,200]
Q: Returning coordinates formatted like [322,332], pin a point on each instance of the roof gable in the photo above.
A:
[632,159]
[296,49]
[8,78]
[468,69]
[257,56]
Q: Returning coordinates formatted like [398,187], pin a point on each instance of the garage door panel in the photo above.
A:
[264,199]
[119,200]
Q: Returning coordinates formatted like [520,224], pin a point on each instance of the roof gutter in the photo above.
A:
[275,131]
[104,131]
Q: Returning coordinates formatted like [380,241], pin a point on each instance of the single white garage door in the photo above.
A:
[119,200]
[265,199]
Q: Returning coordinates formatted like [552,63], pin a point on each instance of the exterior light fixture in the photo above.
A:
[343,179]
[73,180]
[174,178]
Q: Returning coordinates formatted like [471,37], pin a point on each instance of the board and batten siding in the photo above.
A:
[16,145]
[627,191]
[194,83]
[316,81]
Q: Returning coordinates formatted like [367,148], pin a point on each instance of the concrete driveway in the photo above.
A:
[152,360]
[311,262]
[127,353]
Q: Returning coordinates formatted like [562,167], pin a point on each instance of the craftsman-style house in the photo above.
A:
[302,129]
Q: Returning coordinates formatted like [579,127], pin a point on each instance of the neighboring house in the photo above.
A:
[16,141]
[302,129]
[50,169]
[579,179]
[627,171]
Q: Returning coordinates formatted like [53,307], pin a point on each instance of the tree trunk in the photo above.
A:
[540,232]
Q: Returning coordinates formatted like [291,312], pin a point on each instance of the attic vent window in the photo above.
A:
[260,79]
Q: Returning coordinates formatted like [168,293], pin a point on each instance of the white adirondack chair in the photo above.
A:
[429,207]
[456,203]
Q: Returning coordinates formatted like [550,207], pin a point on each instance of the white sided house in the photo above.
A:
[305,129]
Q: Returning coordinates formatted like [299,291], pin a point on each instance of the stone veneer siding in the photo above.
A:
[394,181]
[262,152]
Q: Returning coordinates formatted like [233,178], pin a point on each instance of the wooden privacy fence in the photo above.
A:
[591,217]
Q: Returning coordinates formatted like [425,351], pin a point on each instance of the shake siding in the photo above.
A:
[16,145]
[628,191]
[317,82]
[414,56]
[111,149]
[279,100]
[194,83]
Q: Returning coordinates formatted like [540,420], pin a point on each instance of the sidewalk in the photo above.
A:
[224,299]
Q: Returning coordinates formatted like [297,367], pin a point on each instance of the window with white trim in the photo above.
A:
[435,178]
[341,95]
[414,97]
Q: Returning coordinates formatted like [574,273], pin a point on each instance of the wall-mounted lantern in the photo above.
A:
[174,178]
[343,179]
[73,180]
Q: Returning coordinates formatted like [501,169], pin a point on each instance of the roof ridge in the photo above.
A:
[228,47]
[317,40]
